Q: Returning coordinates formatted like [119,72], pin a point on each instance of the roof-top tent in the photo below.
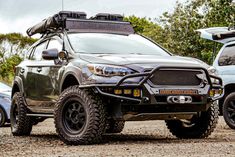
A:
[77,22]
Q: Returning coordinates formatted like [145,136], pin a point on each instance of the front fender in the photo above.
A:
[17,85]
[71,70]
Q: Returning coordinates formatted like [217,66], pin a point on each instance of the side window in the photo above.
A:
[27,53]
[55,44]
[37,55]
[227,57]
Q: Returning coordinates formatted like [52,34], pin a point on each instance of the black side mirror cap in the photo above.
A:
[50,54]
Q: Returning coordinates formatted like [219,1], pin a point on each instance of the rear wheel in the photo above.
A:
[21,124]
[79,117]
[2,117]
[229,110]
[199,126]
[115,126]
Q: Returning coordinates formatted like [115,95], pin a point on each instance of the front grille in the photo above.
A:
[176,77]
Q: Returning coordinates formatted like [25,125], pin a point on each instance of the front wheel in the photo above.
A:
[79,117]
[229,110]
[199,126]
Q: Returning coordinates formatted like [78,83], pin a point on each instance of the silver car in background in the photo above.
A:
[5,103]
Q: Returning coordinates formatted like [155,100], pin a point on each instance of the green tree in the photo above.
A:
[180,26]
[176,31]
[12,46]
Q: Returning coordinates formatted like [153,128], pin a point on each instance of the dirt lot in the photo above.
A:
[149,138]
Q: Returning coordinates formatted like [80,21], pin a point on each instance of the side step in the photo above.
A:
[40,115]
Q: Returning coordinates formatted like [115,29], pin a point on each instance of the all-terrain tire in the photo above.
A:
[20,123]
[115,126]
[92,129]
[229,110]
[200,126]
[2,117]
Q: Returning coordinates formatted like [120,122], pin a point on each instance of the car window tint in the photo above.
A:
[55,44]
[38,51]
[227,57]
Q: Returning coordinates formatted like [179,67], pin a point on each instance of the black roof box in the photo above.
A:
[106,16]
[72,14]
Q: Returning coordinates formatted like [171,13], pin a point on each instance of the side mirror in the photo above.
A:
[50,54]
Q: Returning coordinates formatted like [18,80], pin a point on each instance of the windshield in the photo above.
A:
[98,43]
[4,87]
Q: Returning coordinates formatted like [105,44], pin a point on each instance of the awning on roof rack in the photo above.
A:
[54,22]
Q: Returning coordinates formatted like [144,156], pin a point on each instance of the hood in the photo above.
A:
[145,61]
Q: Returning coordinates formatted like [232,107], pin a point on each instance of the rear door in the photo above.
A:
[218,34]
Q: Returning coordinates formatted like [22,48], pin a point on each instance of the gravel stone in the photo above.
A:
[150,138]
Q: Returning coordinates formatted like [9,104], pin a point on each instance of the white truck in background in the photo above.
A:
[225,66]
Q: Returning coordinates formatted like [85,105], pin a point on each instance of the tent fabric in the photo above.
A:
[54,22]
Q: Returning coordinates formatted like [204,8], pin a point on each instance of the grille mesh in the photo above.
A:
[176,77]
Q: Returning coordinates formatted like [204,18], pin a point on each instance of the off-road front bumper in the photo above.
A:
[175,98]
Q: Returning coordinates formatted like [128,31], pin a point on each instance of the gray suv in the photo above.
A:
[92,75]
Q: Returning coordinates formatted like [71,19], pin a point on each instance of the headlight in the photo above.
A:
[212,70]
[109,70]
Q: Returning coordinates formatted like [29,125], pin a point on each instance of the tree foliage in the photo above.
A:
[176,31]
[12,46]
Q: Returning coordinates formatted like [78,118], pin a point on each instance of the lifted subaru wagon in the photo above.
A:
[92,75]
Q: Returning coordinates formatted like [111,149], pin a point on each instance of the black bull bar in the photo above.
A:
[147,75]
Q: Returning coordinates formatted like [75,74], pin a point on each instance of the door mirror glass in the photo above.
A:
[50,54]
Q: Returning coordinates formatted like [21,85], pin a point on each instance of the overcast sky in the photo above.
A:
[18,15]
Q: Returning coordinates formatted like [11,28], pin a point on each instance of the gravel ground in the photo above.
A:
[150,138]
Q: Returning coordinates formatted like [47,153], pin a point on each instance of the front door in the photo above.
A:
[47,79]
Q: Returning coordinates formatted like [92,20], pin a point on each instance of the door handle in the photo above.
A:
[22,71]
[39,69]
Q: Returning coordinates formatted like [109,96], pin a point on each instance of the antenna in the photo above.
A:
[62,2]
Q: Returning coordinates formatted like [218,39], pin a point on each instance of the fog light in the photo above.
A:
[118,91]
[214,92]
[136,93]
[127,91]
[219,91]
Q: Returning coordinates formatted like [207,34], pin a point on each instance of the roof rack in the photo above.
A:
[77,22]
